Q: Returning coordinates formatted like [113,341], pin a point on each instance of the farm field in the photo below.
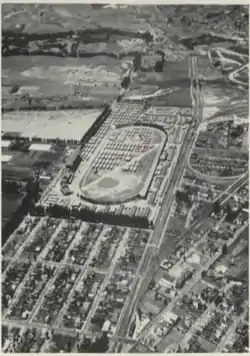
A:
[51,77]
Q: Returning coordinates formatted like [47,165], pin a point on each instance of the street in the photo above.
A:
[161,223]
[187,288]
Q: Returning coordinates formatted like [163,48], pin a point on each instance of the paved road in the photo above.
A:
[185,290]
[105,282]
[222,199]
[179,296]
[231,330]
[21,323]
[130,304]
[205,315]
[211,179]
[221,52]
[211,307]
[25,244]
[82,275]
[187,148]
[161,223]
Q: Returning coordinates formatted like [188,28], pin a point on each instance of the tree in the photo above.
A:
[69,346]
[125,82]
[139,313]
[216,207]
[182,196]
[224,249]
[152,284]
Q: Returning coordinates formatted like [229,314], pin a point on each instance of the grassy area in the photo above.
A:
[52,77]
[104,31]
[54,18]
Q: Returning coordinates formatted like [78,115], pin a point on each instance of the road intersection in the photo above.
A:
[150,260]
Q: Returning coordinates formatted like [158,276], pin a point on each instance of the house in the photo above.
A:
[106,326]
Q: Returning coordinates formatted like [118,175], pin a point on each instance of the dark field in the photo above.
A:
[23,164]
[10,202]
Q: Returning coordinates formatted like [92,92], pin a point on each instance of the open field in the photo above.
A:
[123,167]
[66,125]
[106,49]
[224,87]
[93,80]
[73,17]
[52,77]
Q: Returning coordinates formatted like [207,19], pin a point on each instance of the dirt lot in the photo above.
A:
[50,125]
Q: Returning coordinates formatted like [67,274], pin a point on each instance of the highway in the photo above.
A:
[150,260]
[144,277]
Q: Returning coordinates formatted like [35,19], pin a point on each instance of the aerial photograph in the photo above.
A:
[125,182]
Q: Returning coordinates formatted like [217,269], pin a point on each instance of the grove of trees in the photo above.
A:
[85,214]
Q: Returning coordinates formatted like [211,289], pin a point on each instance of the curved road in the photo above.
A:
[150,259]
[221,52]
[231,76]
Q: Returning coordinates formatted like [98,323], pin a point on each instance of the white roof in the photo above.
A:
[40,147]
[5,143]
[106,325]
[66,124]
[165,283]
[6,158]
[221,269]
[170,316]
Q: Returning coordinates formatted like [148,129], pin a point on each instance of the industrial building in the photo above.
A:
[74,160]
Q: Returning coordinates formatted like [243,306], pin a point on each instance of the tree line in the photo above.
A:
[86,214]
[25,207]
[11,187]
